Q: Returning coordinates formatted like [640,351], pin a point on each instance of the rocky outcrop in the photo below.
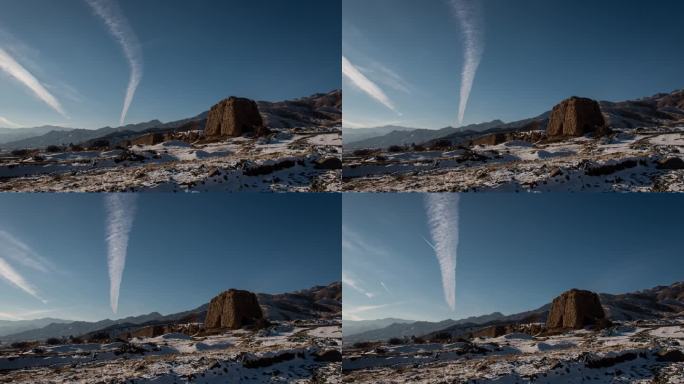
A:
[234,117]
[575,117]
[234,309]
[148,139]
[576,309]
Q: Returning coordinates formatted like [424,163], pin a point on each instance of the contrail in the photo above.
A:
[442,213]
[119,27]
[469,17]
[120,213]
[13,277]
[17,71]
[365,84]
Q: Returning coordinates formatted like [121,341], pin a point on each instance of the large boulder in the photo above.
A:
[576,309]
[234,117]
[148,139]
[234,309]
[575,117]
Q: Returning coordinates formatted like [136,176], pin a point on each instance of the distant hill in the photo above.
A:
[354,327]
[312,303]
[8,327]
[8,135]
[654,303]
[322,109]
[417,328]
[663,109]
[352,135]
[416,136]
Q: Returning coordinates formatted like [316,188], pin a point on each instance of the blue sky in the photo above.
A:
[515,252]
[535,53]
[182,251]
[192,54]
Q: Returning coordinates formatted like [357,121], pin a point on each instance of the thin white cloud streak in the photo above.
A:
[352,241]
[10,66]
[122,32]
[352,283]
[469,18]
[13,248]
[442,214]
[365,84]
[392,79]
[385,287]
[7,123]
[120,214]
[352,313]
[13,277]
[25,315]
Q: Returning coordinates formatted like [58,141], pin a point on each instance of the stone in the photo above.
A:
[491,139]
[329,163]
[576,309]
[672,163]
[234,309]
[576,117]
[148,139]
[234,117]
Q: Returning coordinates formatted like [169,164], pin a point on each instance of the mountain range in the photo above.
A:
[654,303]
[318,302]
[663,109]
[321,109]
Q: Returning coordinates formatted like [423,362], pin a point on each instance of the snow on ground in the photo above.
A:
[650,352]
[285,353]
[625,161]
[285,161]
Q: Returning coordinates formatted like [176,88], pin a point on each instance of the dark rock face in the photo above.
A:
[576,309]
[234,117]
[575,117]
[234,309]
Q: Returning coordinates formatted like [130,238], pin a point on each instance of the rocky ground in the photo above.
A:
[628,352]
[287,352]
[641,160]
[287,160]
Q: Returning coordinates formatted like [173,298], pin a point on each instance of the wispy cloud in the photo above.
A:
[385,287]
[13,248]
[390,78]
[362,82]
[442,214]
[25,315]
[120,214]
[354,242]
[15,70]
[354,312]
[355,285]
[469,17]
[13,277]
[119,27]
[7,123]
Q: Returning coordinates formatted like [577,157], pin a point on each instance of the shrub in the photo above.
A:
[20,152]
[441,144]
[53,341]
[20,345]
[395,341]
[53,149]
[396,148]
